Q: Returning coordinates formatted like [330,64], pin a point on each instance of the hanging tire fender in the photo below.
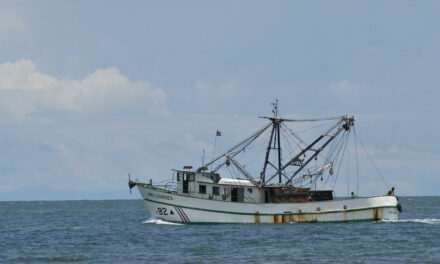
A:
[399,207]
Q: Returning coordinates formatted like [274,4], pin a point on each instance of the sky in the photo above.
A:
[93,90]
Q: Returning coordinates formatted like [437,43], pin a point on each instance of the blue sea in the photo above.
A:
[121,231]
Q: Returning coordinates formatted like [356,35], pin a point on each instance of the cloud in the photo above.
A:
[223,91]
[345,87]
[23,75]
[10,22]
[191,144]
[26,93]
[48,149]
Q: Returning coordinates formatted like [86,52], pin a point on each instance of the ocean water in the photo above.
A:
[122,232]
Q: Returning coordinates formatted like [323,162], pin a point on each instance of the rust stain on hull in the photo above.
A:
[378,213]
[277,218]
[292,218]
[288,217]
[257,218]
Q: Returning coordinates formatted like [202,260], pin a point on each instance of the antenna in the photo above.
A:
[275,108]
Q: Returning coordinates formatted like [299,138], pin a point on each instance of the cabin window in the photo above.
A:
[202,188]
[178,176]
[215,190]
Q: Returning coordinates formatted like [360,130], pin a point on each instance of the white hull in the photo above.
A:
[174,207]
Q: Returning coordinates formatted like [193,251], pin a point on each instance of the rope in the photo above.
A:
[316,119]
[377,169]
[340,163]
[289,130]
[348,166]
[357,161]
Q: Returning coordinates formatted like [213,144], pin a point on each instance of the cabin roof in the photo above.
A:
[230,181]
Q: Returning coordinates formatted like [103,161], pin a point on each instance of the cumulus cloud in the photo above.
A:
[223,91]
[190,143]
[23,75]
[10,22]
[24,91]
[345,87]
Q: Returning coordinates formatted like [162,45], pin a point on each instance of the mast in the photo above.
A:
[279,151]
[275,137]
[266,159]
[277,127]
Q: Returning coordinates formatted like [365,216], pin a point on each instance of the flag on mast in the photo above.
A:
[218,134]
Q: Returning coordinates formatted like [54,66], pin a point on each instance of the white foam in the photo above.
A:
[423,221]
[156,221]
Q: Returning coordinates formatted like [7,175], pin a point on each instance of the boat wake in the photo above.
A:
[422,221]
[156,221]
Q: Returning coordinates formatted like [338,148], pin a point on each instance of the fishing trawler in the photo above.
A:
[282,192]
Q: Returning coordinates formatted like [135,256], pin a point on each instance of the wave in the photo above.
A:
[153,220]
[423,221]
[51,259]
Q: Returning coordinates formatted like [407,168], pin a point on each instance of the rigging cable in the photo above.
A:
[316,119]
[333,152]
[333,156]
[348,166]
[303,141]
[340,163]
[326,124]
[357,161]
[295,135]
[377,169]
[329,158]
[286,142]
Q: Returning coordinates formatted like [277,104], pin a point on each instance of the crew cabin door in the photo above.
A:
[185,183]
[237,194]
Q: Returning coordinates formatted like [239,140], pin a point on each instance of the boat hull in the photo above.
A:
[173,207]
